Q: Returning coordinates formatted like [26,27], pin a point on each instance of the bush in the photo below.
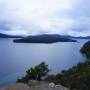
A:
[35,73]
[78,77]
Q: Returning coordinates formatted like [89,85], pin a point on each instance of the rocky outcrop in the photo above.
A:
[35,86]
[17,86]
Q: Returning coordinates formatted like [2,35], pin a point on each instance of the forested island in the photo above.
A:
[45,38]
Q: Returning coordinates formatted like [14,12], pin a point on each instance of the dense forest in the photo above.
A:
[86,49]
[77,77]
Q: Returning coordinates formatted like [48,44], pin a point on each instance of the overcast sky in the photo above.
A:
[68,17]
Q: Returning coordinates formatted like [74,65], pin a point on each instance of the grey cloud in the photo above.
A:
[79,14]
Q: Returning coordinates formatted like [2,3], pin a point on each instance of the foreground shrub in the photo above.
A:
[78,77]
[35,73]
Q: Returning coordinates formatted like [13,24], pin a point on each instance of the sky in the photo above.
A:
[27,17]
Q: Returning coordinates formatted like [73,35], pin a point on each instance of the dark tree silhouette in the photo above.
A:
[35,73]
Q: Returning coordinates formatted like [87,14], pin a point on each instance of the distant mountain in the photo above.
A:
[73,37]
[81,37]
[62,36]
[87,37]
[9,36]
[50,35]
[44,38]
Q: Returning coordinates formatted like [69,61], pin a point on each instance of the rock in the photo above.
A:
[52,84]
[33,83]
[17,86]
[57,85]
[41,86]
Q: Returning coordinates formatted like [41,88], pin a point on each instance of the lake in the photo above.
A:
[16,58]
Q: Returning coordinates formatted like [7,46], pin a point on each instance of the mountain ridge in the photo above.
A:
[9,36]
[2,35]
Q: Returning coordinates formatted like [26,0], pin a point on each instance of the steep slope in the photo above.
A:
[86,49]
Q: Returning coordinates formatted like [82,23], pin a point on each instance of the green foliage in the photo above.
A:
[35,73]
[86,49]
[78,77]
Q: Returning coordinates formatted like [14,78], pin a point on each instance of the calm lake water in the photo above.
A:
[16,58]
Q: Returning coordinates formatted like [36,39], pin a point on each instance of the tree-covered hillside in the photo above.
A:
[77,77]
[86,49]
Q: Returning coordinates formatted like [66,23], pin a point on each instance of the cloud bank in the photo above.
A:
[22,17]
